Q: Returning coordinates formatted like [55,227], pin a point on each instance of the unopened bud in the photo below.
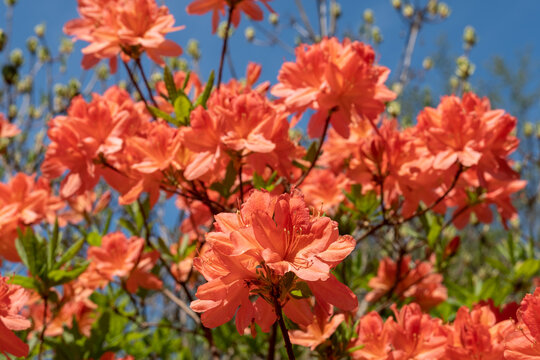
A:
[122,84]
[25,85]
[12,111]
[39,30]
[396,4]
[10,74]
[443,10]
[249,33]
[273,18]
[32,44]
[517,166]
[60,90]
[397,88]
[193,49]
[408,11]
[452,247]
[432,7]
[394,108]
[369,17]
[335,10]
[16,57]
[454,83]
[74,87]
[376,35]
[102,72]
[427,64]
[538,131]
[528,129]
[3,39]
[156,77]
[469,36]
[66,46]
[222,28]
[10,2]
[44,54]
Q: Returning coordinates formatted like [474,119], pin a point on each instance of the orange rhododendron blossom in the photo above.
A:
[12,299]
[126,27]
[24,201]
[468,132]
[249,7]
[253,252]
[420,282]
[123,257]
[323,189]
[412,335]
[6,128]
[524,342]
[322,327]
[476,334]
[335,79]
[240,122]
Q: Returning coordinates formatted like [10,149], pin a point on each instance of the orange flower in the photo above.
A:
[412,335]
[24,202]
[322,327]
[421,282]
[128,28]
[524,342]
[468,132]
[324,190]
[117,255]
[240,121]
[477,334]
[249,7]
[88,132]
[12,299]
[335,79]
[253,250]
[6,128]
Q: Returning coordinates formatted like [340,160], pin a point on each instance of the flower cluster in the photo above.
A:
[271,246]
[336,80]
[126,28]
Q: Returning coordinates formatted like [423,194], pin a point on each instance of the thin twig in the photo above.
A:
[225,41]
[305,20]
[145,80]
[181,304]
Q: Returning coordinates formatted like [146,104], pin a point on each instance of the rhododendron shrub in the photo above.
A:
[178,214]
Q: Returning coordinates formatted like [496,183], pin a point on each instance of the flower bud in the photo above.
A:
[10,2]
[452,247]
[273,19]
[249,33]
[60,90]
[335,10]
[12,111]
[538,131]
[394,108]
[102,72]
[122,84]
[32,44]
[396,4]
[3,39]
[222,28]
[432,7]
[408,11]
[39,30]
[454,83]
[528,129]
[25,85]
[44,54]
[427,64]
[10,74]
[66,46]
[156,77]
[443,10]
[193,49]
[517,166]
[16,57]
[376,35]
[369,17]
[397,88]
[74,87]
[469,36]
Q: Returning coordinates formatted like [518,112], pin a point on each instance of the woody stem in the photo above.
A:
[319,148]
[42,334]
[284,332]
[272,343]
[145,80]
[139,91]
[225,42]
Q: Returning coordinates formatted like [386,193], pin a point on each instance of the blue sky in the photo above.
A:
[504,28]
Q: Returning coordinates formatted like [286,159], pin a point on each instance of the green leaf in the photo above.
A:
[28,249]
[24,281]
[52,245]
[70,253]
[434,232]
[63,276]
[186,80]
[206,93]
[527,268]
[93,239]
[158,113]
[169,84]
[182,109]
[224,187]
[312,152]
